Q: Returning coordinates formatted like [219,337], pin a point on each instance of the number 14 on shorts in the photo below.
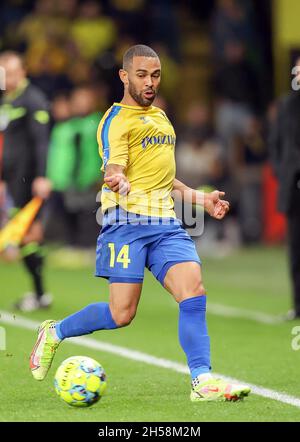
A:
[123,255]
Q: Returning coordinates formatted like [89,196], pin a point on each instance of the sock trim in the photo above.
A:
[200,300]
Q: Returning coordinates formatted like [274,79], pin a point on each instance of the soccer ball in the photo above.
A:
[80,381]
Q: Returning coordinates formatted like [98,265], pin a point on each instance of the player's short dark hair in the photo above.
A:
[137,51]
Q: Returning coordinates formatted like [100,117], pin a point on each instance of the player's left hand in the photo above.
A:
[214,205]
[41,187]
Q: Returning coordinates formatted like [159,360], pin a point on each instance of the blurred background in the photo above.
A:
[224,64]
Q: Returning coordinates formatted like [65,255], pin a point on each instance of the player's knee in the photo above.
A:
[200,289]
[194,288]
[197,289]
[123,318]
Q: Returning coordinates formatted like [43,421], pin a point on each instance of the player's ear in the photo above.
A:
[123,76]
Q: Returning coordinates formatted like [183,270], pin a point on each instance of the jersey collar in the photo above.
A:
[127,106]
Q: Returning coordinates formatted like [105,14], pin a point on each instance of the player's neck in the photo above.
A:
[127,100]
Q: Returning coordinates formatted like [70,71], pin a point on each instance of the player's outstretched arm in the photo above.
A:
[116,179]
[212,202]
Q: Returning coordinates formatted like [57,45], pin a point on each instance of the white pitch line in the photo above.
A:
[17,321]
[236,312]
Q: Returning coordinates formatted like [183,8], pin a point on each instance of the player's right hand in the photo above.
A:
[118,183]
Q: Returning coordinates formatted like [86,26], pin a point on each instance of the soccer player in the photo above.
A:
[140,230]
[24,124]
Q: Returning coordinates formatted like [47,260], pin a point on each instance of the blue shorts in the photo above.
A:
[125,249]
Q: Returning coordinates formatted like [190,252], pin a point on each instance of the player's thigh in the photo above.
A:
[123,301]
[174,262]
[184,280]
[121,254]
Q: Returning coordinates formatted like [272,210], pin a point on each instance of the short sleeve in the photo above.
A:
[112,138]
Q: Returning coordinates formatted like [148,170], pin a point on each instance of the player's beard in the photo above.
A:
[138,97]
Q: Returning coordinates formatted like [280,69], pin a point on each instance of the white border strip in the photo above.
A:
[17,321]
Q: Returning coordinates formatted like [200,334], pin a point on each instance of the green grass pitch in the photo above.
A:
[252,279]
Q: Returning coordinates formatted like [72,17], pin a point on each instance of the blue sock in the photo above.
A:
[91,318]
[193,336]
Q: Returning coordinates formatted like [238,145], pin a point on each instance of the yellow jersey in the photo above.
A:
[141,139]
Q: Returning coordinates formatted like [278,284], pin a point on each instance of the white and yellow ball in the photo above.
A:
[80,381]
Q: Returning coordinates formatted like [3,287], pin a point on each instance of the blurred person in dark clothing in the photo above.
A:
[127,14]
[249,155]
[200,163]
[237,90]
[285,158]
[51,83]
[199,154]
[24,124]
[74,164]
[61,136]
[231,20]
